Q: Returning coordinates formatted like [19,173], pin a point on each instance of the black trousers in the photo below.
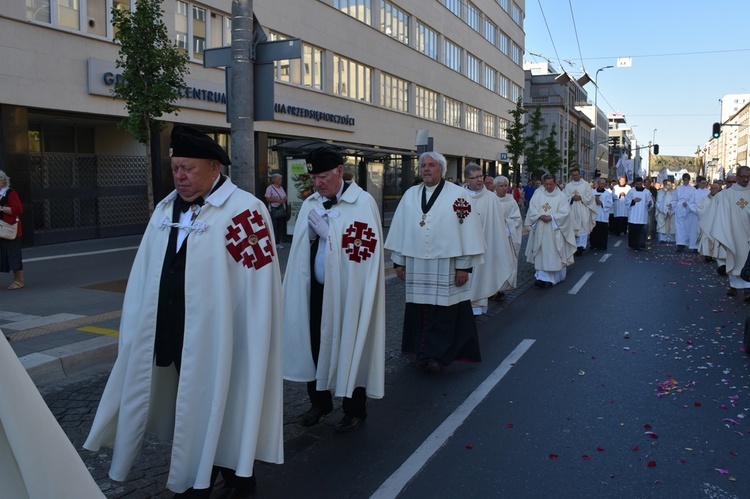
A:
[637,235]
[599,236]
[322,399]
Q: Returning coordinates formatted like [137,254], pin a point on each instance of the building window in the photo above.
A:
[426,103]
[87,16]
[503,43]
[360,10]
[427,41]
[516,15]
[472,118]
[352,79]
[504,87]
[199,32]
[181,26]
[489,125]
[306,71]
[472,16]
[394,93]
[503,126]
[515,92]
[452,55]
[503,4]
[517,55]
[490,31]
[472,68]
[395,23]
[454,6]
[69,14]
[451,112]
[38,10]
[490,78]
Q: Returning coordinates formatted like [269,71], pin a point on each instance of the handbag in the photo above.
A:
[8,231]
[278,212]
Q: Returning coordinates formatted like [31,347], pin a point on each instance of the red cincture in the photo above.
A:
[462,209]
[359,242]
[249,241]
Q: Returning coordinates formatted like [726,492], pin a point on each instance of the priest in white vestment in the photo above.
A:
[686,215]
[489,277]
[604,201]
[707,245]
[436,240]
[639,203]
[551,243]
[665,213]
[582,208]
[514,225]
[730,227]
[334,296]
[620,207]
[36,456]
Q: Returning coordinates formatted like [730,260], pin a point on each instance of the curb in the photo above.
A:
[51,366]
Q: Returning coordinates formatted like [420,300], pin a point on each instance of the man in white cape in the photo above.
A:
[213,383]
[730,227]
[639,203]
[489,277]
[514,227]
[334,296]
[436,240]
[665,213]
[603,199]
[707,245]
[552,244]
[582,209]
[686,215]
[37,457]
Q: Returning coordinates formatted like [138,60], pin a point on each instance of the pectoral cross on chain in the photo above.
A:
[742,203]
[546,207]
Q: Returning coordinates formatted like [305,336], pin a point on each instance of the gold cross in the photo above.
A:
[546,207]
[742,203]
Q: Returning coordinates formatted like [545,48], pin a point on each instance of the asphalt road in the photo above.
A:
[626,380]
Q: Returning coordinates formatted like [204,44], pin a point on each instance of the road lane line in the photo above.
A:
[99,330]
[617,244]
[604,257]
[398,480]
[575,289]
[73,255]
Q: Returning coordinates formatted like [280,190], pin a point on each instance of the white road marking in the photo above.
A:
[398,480]
[55,257]
[617,244]
[575,289]
[604,257]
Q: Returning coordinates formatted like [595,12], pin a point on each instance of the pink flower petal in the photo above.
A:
[721,471]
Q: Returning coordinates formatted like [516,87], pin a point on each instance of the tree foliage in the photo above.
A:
[153,70]
[571,152]
[551,158]
[516,135]
[534,144]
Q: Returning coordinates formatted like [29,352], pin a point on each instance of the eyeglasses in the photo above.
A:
[473,178]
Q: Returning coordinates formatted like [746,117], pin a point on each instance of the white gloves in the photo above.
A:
[317,225]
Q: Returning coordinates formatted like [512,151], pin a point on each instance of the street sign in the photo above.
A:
[503,156]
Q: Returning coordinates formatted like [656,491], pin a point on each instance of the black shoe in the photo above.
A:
[680,248]
[539,283]
[192,493]
[314,416]
[432,366]
[349,423]
[731,292]
[721,270]
[500,296]
[240,487]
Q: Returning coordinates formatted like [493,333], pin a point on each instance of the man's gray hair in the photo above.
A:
[437,157]
[274,176]
[471,167]
[500,179]
[548,176]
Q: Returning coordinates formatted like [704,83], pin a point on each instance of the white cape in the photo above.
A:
[551,245]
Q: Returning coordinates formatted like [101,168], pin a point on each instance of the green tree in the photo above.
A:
[534,141]
[153,71]
[551,158]
[516,136]
[572,152]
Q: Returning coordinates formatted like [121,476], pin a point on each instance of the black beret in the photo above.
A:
[187,142]
[323,159]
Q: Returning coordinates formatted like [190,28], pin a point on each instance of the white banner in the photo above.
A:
[624,62]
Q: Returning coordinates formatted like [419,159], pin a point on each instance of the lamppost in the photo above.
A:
[596,118]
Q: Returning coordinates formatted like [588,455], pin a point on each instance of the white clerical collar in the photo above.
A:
[475,193]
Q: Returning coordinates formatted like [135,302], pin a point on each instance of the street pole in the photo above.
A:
[241,114]
[596,119]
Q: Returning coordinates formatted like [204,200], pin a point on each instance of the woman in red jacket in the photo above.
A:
[10,249]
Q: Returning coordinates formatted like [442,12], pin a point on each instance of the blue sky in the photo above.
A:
[686,56]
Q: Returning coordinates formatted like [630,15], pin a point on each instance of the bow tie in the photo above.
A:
[331,201]
[184,206]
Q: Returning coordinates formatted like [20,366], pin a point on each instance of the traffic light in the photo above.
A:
[717,130]
[597,173]
[656,149]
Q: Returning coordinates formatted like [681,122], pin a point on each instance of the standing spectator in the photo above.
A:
[276,199]
[200,359]
[582,208]
[528,191]
[552,243]
[490,277]
[10,249]
[334,296]
[436,239]
[603,200]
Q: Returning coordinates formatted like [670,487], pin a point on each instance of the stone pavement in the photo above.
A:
[72,374]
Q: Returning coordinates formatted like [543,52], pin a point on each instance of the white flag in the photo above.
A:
[624,62]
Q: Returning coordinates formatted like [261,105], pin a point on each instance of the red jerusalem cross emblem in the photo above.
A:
[462,209]
[248,240]
[359,241]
